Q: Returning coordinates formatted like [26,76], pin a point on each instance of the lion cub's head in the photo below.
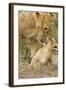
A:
[51,44]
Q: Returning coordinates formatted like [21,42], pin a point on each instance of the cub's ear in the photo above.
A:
[50,39]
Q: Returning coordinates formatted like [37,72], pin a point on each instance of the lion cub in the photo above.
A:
[45,53]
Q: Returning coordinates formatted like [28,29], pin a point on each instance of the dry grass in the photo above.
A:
[47,70]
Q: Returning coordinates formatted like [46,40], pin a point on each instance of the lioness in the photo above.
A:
[36,27]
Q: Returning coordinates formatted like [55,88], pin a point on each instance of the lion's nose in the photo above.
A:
[45,28]
[42,40]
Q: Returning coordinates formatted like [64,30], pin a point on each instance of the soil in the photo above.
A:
[48,70]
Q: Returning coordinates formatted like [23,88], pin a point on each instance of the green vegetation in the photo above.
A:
[54,32]
[25,49]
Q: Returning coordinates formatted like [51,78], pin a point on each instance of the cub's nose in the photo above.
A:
[44,41]
[55,46]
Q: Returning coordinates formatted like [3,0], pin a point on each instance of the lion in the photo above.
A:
[44,24]
[35,26]
[46,53]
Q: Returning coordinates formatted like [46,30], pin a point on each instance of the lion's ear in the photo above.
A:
[53,17]
[36,15]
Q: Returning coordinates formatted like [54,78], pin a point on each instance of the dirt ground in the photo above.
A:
[45,71]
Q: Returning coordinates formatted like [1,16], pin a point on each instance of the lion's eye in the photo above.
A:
[46,29]
[38,27]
